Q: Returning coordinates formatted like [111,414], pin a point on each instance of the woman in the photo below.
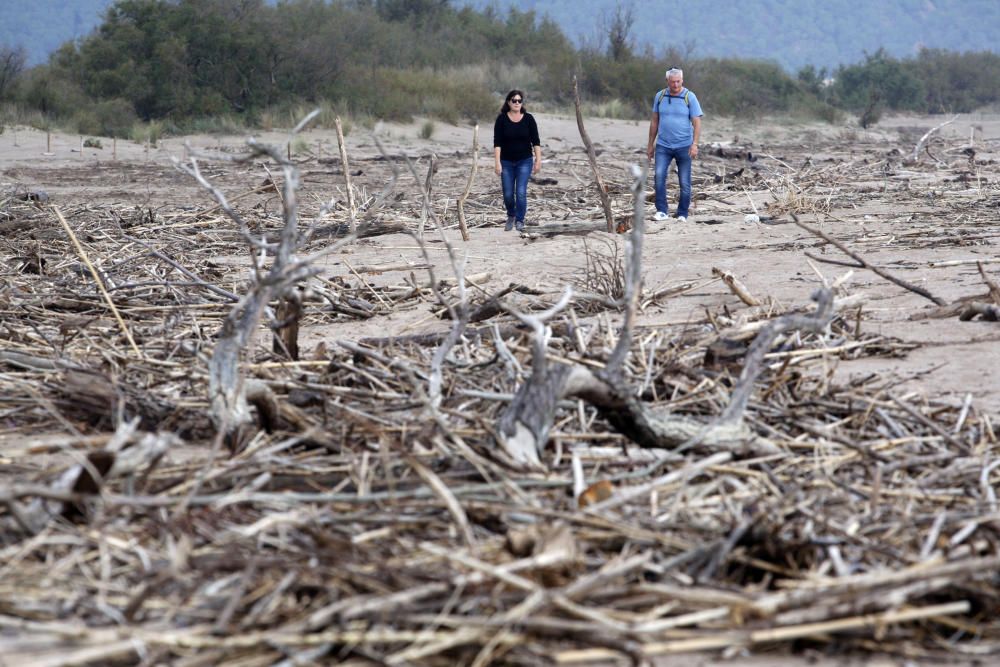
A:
[517,152]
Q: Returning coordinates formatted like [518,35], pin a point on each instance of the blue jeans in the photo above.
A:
[663,157]
[514,177]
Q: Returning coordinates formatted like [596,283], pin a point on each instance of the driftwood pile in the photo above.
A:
[533,486]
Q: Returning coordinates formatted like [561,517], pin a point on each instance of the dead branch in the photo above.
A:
[124,454]
[523,427]
[602,189]
[992,284]
[633,277]
[752,364]
[462,226]
[736,286]
[927,134]
[988,312]
[862,262]
[286,326]
[351,208]
[230,410]
[425,193]
[98,282]
[459,312]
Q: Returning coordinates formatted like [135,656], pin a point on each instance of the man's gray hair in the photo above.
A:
[675,71]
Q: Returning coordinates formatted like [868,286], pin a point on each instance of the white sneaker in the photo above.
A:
[660,216]
[682,218]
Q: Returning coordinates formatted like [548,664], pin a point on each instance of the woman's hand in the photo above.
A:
[536,165]
[497,168]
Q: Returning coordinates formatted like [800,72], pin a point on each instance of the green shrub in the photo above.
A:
[92,143]
[51,94]
[808,106]
[892,81]
[142,132]
[108,118]
[427,129]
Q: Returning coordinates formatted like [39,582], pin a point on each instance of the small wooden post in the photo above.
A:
[347,174]
[48,142]
[114,148]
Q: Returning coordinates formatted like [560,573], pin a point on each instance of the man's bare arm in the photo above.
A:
[696,124]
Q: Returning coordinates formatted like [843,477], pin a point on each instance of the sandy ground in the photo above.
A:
[939,220]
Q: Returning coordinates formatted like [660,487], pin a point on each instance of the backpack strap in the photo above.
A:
[665,92]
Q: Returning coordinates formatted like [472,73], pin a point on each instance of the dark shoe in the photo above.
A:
[519,225]
[510,224]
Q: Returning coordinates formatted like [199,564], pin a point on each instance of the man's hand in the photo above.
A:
[693,151]
[650,151]
[498,169]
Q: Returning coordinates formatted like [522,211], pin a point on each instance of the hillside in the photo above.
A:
[824,33]
[41,26]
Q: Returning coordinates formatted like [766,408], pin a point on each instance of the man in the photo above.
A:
[673,135]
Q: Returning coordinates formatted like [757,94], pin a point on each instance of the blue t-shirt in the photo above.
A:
[675,129]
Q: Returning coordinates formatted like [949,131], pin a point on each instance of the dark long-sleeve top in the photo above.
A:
[515,140]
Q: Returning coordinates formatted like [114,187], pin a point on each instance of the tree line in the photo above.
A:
[178,62]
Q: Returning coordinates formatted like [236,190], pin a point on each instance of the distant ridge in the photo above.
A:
[794,33]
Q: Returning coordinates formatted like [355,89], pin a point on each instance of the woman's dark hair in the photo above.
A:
[506,101]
